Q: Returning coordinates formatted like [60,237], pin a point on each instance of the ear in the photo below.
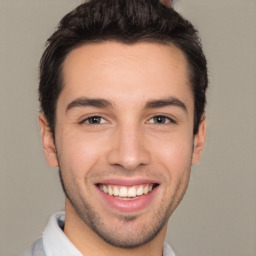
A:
[199,141]
[48,142]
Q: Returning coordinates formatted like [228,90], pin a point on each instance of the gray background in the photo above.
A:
[218,213]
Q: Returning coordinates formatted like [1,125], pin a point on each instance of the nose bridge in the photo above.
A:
[128,147]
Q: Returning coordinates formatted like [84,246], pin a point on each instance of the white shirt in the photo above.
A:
[56,243]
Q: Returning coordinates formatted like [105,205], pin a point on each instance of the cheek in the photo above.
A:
[78,153]
[176,156]
[175,159]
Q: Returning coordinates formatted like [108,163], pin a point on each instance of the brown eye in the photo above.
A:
[94,120]
[160,120]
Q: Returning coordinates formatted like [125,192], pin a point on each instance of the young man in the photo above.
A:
[122,92]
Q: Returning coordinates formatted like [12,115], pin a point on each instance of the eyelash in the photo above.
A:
[90,118]
[166,119]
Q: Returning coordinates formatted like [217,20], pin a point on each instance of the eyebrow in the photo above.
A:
[172,101]
[86,102]
[102,103]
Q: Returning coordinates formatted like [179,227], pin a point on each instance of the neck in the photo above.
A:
[90,244]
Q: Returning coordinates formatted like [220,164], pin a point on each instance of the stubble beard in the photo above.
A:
[122,237]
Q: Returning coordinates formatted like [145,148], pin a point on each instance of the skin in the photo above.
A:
[127,143]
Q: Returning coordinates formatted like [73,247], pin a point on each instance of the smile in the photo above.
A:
[127,196]
[128,192]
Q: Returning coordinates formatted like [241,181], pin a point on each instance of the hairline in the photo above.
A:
[125,42]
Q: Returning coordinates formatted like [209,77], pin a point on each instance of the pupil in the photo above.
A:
[95,120]
[160,119]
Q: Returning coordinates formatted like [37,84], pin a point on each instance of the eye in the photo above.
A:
[94,120]
[160,120]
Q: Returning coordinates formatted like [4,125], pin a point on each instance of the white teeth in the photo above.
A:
[110,192]
[123,192]
[116,192]
[132,192]
[145,190]
[126,192]
[105,189]
[140,191]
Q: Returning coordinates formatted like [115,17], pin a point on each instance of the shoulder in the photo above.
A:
[36,249]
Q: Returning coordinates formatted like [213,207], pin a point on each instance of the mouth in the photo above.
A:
[128,195]
[127,192]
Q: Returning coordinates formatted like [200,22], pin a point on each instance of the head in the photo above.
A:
[122,91]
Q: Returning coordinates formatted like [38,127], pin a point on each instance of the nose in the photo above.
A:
[128,148]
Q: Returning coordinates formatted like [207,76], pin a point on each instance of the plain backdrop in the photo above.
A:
[218,213]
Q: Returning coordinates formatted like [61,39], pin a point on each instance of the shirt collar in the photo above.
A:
[56,242]
[54,239]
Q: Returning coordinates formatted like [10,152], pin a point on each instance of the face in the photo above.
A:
[124,138]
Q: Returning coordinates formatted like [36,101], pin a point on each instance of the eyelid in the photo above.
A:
[85,119]
[171,119]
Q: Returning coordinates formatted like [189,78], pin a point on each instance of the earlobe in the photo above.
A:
[48,142]
[199,141]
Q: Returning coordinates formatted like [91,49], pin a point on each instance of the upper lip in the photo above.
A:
[127,181]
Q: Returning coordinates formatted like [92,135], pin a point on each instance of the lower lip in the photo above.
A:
[131,205]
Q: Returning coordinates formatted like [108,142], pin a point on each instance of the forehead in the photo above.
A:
[118,71]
